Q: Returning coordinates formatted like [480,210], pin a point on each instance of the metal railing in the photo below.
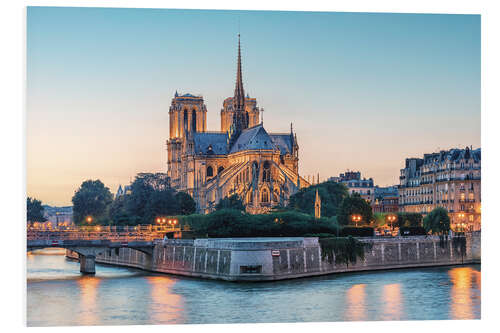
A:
[115,234]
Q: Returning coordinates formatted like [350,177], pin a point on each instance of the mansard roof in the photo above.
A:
[453,155]
[253,138]
[210,143]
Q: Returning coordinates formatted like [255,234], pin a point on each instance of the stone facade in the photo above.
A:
[355,184]
[261,259]
[243,158]
[450,179]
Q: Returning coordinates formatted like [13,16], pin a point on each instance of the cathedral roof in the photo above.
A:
[253,138]
[283,142]
[210,143]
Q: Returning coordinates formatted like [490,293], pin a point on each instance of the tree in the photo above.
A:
[150,197]
[185,203]
[354,204]
[437,221]
[91,199]
[409,220]
[331,194]
[232,202]
[34,210]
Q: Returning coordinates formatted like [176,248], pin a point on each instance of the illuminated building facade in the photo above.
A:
[352,180]
[242,158]
[450,179]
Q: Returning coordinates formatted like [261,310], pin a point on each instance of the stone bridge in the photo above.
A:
[89,244]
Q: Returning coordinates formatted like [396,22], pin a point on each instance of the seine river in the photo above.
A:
[59,295]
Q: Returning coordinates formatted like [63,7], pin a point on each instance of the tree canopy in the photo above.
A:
[331,194]
[34,210]
[437,221]
[237,223]
[232,202]
[91,199]
[354,204]
[150,197]
[409,219]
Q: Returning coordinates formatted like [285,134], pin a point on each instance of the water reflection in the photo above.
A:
[355,299]
[462,301]
[166,307]
[88,300]
[391,298]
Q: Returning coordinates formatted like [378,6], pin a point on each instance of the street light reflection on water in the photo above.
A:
[58,295]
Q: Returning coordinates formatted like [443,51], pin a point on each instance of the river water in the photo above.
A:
[57,295]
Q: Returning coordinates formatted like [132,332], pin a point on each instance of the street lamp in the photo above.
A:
[89,219]
[356,218]
[391,218]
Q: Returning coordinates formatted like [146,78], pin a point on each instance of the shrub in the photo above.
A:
[357,232]
[345,250]
[412,231]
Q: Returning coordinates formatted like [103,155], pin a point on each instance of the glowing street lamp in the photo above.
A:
[89,219]
[356,218]
[391,218]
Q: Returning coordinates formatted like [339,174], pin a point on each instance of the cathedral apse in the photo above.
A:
[242,158]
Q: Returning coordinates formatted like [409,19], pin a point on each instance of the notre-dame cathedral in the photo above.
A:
[242,158]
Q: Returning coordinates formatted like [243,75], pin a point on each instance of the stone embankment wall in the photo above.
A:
[262,259]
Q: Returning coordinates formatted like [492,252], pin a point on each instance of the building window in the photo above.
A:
[266,172]
[193,121]
[210,171]
[265,195]
[220,169]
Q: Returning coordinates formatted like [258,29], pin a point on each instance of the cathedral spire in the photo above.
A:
[239,93]
[240,116]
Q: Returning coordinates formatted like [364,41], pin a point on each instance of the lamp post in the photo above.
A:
[356,218]
[89,219]
[391,218]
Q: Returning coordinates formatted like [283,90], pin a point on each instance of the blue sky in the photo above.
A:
[364,91]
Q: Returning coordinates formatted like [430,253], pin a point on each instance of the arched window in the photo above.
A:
[264,195]
[210,172]
[220,169]
[266,172]
[193,121]
[185,121]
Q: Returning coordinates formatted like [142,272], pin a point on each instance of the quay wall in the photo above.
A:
[264,259]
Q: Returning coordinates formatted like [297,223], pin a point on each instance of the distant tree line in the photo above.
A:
[149,197]
[34,210]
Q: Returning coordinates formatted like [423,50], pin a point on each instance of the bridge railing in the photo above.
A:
[143,233]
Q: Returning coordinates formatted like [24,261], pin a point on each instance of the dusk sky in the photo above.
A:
[364,91]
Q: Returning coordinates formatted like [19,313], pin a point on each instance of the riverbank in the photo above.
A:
[123,296]
[267,259]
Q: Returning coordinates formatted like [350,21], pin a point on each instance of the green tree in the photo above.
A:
[331,194]
[34,210]
[354,204]
[185,204]
[437,221]
[232,202]
[150,196]
[91,199]
[409,219]
[118,213]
